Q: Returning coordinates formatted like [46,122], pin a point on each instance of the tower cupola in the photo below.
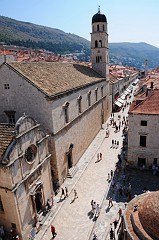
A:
[99,17]
[99,44]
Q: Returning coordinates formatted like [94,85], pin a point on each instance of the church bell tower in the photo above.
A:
[99,45]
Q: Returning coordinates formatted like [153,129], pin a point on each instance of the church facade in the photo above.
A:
[71,101]
[25,175]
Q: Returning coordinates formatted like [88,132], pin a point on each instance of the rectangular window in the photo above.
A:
[143,123]
[11,116]
[1,205]
[6,86]
[142,141]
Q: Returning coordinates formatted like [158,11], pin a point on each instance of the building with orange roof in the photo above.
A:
[143,133]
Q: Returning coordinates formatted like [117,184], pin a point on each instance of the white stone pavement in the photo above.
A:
[71,220]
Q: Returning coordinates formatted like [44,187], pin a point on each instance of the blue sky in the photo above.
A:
[128,20]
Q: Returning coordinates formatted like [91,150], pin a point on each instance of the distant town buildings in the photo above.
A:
[120,79]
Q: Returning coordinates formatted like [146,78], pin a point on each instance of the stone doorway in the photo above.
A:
[38,201]
[69,156]
[141,162]
[37,195]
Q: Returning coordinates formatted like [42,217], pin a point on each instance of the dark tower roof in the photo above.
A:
[99,17]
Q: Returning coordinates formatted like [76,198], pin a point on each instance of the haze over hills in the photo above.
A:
[40,37]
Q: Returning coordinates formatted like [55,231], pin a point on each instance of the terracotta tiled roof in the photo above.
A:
[149,105]
[5,136]
[56,77]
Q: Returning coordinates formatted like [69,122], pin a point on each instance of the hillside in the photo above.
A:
[40,37]
[134,54]
[36,36]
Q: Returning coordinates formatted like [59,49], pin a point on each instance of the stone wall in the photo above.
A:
[151,131]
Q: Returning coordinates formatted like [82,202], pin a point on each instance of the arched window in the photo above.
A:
[103,27]
[96,43]
[100,43]
[66,114]
[89,98]
[98,27]
[79,99]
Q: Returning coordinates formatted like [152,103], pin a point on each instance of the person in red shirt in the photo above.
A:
[53,231]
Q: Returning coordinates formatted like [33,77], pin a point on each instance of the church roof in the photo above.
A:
[5,136]
[54,78]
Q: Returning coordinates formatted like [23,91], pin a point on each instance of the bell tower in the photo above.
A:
[99,45]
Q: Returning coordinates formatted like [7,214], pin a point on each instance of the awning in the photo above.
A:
[118,104]
[130,87]
[120,100]
[128,90]
[123,96]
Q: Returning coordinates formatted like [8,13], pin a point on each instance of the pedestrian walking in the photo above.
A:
[110,202]
[92,204]
[94,207]
[53,231]
[115,223]
[117,144]
[113,183]
[108,177]
[75,194]
[120,212]
[111,234]
[66,191]
[112,143]
[62,193]
[100,156]
[111,174]
[97,211]
[130,187]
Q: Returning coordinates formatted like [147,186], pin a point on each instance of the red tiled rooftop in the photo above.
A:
[149,105]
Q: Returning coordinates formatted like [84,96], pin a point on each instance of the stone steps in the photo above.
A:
[72,171]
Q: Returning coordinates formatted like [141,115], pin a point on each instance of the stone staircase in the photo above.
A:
[72,171]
